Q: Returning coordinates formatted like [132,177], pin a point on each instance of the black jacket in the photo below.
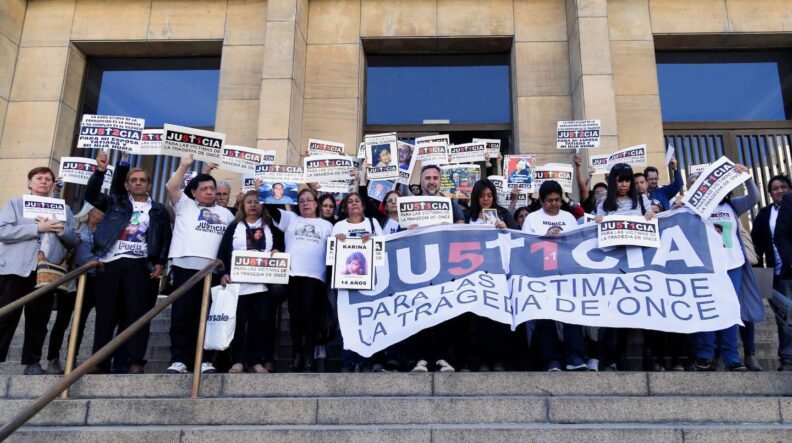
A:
[783,235]
[763,242]
[118,210]
[227,243]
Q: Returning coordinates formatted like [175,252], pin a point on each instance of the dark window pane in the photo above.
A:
[715,88]
[437,88]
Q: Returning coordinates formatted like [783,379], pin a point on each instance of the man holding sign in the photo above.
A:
[24,242]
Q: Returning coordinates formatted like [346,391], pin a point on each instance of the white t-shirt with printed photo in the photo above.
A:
[391,227]
[538,222]
[305,240]
[240,243]
[357,230]
[198,230]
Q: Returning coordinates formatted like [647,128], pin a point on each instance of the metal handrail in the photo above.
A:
[108,349]
[11,307]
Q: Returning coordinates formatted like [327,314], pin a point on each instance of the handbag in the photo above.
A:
[221,323]
[47,272]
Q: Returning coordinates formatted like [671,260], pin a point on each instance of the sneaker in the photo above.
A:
[54,367]
[702,364]
[576,364]
[207,368]
[786,366]
[420,366]
[753,363]
[554,366]
[678,367]
[177,368]
[443,366]
[736,367]
[593,364]
[34,369]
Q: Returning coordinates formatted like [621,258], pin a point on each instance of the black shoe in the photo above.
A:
[704,365]
[309,365]
[786,366]
[297,364]
[321,365]
[348,368]
[737,367]
[34,369]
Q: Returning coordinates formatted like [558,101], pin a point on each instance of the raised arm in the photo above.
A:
[174,184]
[581,179]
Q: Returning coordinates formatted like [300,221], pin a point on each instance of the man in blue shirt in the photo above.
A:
[663,194]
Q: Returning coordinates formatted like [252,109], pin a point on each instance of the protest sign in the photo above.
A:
[443,139]
[628,230]
[381,156]
[600,163]
[378,188]
[248,183]
[697,169]
[278,193]
[578,134]
[79,169]
[507,197]
[335,187]
[34,206]
[406,163]
[110,132]
[243,159]
[424,211]
[330,251]
[435,274]
[187,178]
[279,173]
[633,156]
[519,171]
[467,153]
[323,147]
[330,167]
[361,152]
[559,172]
[260,267]
[354,264]
[712,185]
[150,143]
[589,218]
[203,145]
[669,154]
[498,181]
[436,154]
[456,181]
[493,146]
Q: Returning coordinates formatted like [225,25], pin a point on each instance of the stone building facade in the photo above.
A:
[294,69]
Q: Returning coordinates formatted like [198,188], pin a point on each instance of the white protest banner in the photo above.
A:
[335,187]
[522,199]
[389,172]
[424,211]
[712,185]
[600,163]
[79,169]
[519,171]
[34,206]
[457,181]
[669,154]
[322,168]
[151,143]
[697,169]
[493,145]
[578,134]
[322,147]
[203,145]
[559,172]
[406,163]
[354,264]
[467,153]
[428,154]
[110,132]
[260,267]
[443,139]
[279,174]
[361,153]
[633,156]
[628,230]
[381,156]
[512,277]
[248,183]
[243,159]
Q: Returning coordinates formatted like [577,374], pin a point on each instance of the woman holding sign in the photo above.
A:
[254,337]
[24,242]
[305,237]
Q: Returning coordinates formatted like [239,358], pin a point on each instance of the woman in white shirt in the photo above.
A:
[305,237]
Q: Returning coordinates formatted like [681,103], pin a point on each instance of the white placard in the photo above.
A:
[260,267]
[361,152]
[600,163]
[34,206]
[243,159]
[203,145]
[561,173]
[428,154]
[330,251]
[78,170]
[151,143]
[248,183]
[443,139]
[323,147]
[335,187]
[578,134]
[424,211]
[493,145]
[321,168]
[633,156]
[110,132]
[519,171]
[279,174]
[717,180]
[669,154]
[628,230]
[354,264]
[697,169]
[407,161]
[499,181]
[467,153]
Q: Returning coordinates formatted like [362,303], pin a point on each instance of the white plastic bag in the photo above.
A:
[221,322]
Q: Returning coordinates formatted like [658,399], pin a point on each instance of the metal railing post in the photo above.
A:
[199,345]
[71,354]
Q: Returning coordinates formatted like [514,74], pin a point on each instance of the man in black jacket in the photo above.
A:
[132,241]
[783,241]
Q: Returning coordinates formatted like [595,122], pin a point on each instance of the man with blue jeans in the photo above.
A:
[725,340]
[783,282]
